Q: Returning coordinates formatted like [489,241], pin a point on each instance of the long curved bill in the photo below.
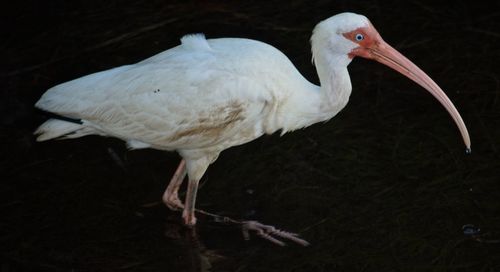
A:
[385,54]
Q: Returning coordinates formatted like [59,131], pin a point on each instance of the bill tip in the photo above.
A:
[468,151]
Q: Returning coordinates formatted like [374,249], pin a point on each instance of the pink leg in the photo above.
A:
[171,196]
[188,212]
[194,168]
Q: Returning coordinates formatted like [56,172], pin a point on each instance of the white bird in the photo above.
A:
[204,96]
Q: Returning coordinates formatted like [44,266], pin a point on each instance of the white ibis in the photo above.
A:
[204,96]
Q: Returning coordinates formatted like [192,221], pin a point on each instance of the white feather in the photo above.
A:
[54,128]
[204,96]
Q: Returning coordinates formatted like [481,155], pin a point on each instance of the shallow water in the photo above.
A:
[383,186]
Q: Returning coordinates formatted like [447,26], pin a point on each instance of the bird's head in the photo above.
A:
[349,35]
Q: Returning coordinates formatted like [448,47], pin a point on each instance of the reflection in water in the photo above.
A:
[196,256]
[474,233]
[266,232]
[191,248]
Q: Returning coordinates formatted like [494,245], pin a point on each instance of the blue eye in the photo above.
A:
[359,37]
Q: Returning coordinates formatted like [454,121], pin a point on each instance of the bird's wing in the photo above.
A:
[182,97]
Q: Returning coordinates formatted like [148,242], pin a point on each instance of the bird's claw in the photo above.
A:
[189,218]
[267,232]
[174,203]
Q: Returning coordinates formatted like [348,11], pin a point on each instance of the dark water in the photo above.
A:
[384,186]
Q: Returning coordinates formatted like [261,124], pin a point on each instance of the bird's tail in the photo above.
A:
[55,128]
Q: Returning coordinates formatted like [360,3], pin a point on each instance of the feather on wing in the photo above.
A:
[187,97]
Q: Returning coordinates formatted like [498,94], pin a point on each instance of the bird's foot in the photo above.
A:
[173,202]
[267,232]
[189,218]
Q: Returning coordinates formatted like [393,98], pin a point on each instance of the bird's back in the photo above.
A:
[198,94]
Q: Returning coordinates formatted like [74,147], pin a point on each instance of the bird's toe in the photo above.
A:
[189,218]
[174,204]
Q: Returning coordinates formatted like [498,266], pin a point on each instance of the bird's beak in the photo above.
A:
[386,54]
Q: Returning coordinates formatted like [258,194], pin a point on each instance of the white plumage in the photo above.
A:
[204,96]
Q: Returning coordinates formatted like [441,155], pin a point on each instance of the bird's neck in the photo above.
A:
[312,104]
[335,83]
